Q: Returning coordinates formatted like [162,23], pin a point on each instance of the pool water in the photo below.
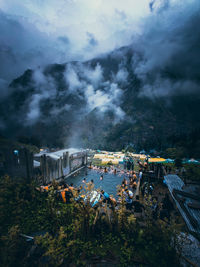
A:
[108,184]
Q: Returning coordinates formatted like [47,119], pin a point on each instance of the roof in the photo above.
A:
[182,197]
[57,154]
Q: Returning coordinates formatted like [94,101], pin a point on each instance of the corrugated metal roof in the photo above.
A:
[174,182]
[57,154]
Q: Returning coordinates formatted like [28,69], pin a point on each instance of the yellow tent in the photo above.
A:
[115,161]
[157,160]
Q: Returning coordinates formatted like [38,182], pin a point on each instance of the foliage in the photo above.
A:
[76,233]
[178,162]
[192,172]
[174,152]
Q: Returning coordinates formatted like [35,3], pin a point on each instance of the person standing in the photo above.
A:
[106,197]
[140,174]
[128,198]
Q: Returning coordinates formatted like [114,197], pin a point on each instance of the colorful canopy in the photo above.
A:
[157,160]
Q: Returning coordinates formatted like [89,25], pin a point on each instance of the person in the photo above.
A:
[84,180]
[145,166]
[130,175]
[105,169]
[78,197]
[106,197]
[140,174]
[68,196]
[123,184]
[90,167]
[113,201]
[71,187]
[101,177]
[150,189]
[115,171]
[132,164]
[128,165]
[125,163]
[63,196]
[92,181]
[138,207]
[134,185]
[128,198]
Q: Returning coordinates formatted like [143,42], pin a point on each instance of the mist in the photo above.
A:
[90,61]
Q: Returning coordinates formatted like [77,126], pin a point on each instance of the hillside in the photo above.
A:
[101,104]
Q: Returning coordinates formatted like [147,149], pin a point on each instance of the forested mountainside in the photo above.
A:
[103,103]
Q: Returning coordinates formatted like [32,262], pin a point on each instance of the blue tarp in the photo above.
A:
[169,160]
[191,161]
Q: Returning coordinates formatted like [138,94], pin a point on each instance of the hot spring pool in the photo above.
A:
[108,184]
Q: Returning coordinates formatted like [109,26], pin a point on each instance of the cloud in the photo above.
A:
[162,40]
[72,78]
[91,39]
[122,75]
[23,46]
[93,76]
[105,100]
[34,109]
[36,33]
[166,60]
[80,82]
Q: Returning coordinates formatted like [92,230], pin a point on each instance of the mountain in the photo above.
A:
[101,103]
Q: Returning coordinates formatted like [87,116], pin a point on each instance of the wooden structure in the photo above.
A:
[77,160]
[187,203]
[59,164]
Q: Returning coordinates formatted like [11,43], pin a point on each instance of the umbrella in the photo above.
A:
[169,160]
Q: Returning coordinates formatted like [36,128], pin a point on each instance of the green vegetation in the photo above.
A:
[192,172]
[77,234]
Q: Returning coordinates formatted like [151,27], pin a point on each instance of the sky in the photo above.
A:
[38,32]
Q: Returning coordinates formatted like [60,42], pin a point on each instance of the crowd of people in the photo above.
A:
[127,193]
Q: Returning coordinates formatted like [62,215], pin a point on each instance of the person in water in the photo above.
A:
[92,181]
[101,178]
[84,180]
[105,169]
[90,167]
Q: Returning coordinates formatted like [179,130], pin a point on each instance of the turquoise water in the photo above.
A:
[108,184]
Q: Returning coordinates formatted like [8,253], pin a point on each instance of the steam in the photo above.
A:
[81,81]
